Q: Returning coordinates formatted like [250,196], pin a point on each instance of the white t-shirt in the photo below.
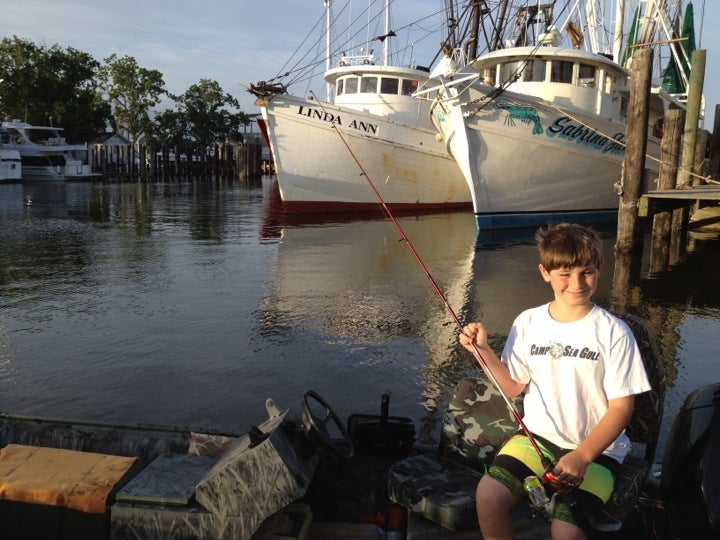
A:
[571,371]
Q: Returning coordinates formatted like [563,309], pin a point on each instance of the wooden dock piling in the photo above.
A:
[692,118]
[680,188]
[634,164]
[669,159]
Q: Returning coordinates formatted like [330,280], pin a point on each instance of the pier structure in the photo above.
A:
[685,185]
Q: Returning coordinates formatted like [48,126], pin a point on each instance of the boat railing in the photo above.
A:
[357,60]
[443,83]
[54,141]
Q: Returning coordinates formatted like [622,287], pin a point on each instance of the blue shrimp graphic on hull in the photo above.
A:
[524,113]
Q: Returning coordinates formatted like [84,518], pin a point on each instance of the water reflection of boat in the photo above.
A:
[355,285]
[368,268]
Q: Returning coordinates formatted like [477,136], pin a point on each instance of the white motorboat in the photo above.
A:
[374,120]
[45,154]
[539,131]
[10,163]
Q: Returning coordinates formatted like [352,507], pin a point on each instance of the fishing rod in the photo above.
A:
[545,461]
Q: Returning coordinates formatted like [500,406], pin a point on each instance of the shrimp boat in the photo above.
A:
[373,118]
[538,128]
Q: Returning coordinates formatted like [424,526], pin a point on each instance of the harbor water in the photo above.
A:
[191,303]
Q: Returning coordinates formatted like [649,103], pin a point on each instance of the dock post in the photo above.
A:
[669,159]
[715,145]
[692,116]
[701,146]
[634,163]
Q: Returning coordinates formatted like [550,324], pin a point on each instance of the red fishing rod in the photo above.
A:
[547,464]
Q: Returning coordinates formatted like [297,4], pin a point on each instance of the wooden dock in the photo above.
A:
[663,200]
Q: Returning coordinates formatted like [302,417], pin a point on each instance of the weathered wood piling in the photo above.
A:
[681,183]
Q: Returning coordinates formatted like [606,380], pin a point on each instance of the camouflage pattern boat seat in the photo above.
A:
[441,485]
[643,430]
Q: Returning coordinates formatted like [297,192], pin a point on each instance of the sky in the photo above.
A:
[237,42]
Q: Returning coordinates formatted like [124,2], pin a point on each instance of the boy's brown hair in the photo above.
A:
[567,245]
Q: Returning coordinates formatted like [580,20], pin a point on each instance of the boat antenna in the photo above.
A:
[328,60]
[386,42]
[476,352]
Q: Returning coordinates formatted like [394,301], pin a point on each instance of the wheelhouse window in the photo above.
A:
[508,71]
[535,70]
[586,76]
[340,87]
[351,85]
[409,86]
[368,85]
[389,85]
[561,72]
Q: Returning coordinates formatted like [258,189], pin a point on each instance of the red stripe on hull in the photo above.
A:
[304,207]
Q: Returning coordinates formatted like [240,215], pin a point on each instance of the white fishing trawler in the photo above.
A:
[374,120]
[538,130]
[45,154]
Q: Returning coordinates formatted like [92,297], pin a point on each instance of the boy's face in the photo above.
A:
[572,286]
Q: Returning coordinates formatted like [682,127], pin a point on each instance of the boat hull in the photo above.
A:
[323,153]
[50,173]
[528,163]
[10,166]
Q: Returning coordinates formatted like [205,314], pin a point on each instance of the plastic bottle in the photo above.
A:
[536,492]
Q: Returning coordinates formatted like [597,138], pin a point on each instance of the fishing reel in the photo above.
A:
[542,500]
[556,484]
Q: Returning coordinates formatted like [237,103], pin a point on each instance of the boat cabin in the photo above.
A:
[569,78]
[382,90]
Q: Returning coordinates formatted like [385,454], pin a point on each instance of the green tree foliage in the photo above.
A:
[208,114]
[132,91]
[70,89]
[170,128]
[51,85]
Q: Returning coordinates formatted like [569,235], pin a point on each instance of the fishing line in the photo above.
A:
[476,352]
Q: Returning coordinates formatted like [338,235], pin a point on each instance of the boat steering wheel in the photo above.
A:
[317,425]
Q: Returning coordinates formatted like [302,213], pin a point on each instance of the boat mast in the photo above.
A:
[618,36]
[386,41]
[328,60]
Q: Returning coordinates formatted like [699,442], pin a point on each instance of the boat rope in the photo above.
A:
[436,288]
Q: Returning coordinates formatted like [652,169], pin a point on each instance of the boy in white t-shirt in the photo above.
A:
[579,368]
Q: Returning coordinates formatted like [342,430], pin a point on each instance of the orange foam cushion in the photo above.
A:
[65,478]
